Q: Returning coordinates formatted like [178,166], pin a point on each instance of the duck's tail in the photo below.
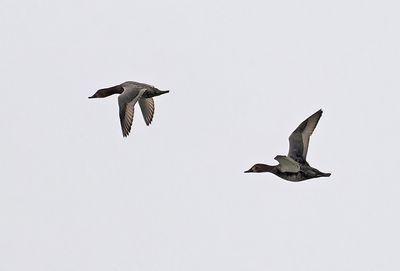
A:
[160,92]
[324,174]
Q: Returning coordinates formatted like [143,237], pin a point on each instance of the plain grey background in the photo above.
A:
[75,195]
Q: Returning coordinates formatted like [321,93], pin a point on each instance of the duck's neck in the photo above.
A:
[267,168]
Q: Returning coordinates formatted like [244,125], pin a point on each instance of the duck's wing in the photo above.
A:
[300,138]
[287,164]
[147,107]
[127,101]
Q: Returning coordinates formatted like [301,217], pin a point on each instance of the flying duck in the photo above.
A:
[130,93]
[294,166]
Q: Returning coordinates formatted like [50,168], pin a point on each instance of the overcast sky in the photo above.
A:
[76,195]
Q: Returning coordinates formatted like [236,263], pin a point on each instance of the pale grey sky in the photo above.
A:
[75,195]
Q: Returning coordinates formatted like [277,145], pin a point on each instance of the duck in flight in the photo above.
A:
[294,166]
[130,93]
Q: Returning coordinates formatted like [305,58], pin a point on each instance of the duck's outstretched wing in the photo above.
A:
[127,101]
[300,138]
[147,107]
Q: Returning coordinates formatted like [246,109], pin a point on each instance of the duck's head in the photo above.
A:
[101,93]
[104,92]
[96,95]
[261,168]
[255,168]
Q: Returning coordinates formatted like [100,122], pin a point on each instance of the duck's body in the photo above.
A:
[130,93]
[294,167]
[305,172]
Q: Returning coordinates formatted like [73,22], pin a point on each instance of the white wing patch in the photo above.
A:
[287,164]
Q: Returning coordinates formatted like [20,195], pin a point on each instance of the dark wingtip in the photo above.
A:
[125,133]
